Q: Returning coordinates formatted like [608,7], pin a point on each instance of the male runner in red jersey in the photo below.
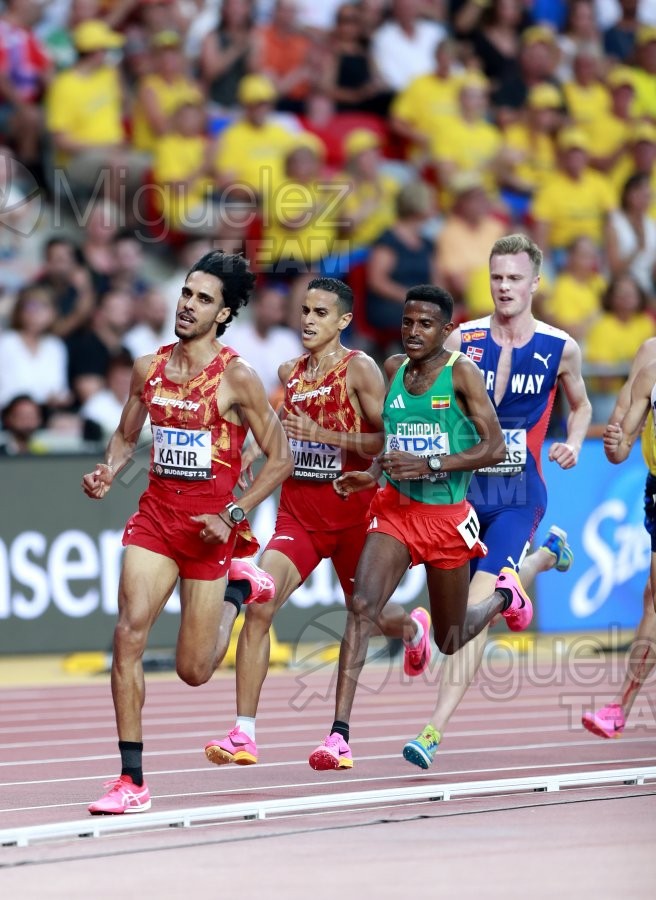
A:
[202,398]
[332,417]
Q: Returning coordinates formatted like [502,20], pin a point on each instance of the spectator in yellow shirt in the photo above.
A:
[531,143]
[468,142]
[369,207]
[610,133]
[573,202]
[84,110]
[300,221]
[421,108]
[161,92]
[640,159]
[182,169]
[616,336]
[645,72]
[251,152]
[586,97]
[575,301]
[470,229]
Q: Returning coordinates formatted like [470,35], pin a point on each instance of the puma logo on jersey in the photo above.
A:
[543,359]
[397,403]
[154,381]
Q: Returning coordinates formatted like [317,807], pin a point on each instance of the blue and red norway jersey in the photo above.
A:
[525,408]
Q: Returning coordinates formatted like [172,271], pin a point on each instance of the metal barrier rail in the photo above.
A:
[97,827]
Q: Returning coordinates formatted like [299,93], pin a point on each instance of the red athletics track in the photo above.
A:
[58,745]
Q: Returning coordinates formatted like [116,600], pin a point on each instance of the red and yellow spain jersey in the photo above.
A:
[195,450]
[309,495]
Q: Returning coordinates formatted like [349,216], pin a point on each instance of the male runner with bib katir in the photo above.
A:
[439,426]
[522,361]
[202,399]
[332,417]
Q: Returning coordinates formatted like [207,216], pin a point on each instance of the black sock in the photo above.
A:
[341,728]
[131,755]
[506,593]
[237,591]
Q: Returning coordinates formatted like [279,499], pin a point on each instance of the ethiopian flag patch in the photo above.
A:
[440,402]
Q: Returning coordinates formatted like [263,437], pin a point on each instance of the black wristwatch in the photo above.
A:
[236,513]
[434,463]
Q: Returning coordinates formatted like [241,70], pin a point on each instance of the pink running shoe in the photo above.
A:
[123,796]
[262,585]
[416,659]
[520,612]
[608,722]
[333,753]
[237,747]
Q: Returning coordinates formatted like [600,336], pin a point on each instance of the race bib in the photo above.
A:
[515,461]
[470,529]
[314,461]
[182,453]
[422,441]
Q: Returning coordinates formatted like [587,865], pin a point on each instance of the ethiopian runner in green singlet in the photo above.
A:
[440,426]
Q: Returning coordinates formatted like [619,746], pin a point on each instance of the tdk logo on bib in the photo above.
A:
[420,439]
[174,437]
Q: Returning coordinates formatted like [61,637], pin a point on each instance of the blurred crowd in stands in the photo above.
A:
[386,142]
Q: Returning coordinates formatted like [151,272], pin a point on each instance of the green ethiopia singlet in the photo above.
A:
[429,424]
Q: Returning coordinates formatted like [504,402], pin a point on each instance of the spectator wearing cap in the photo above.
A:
[25,71]
[404,46]
[574,201]
[469,230]
[225,55]
[639,159]
[162,91]
[645,72]
[538,60]
[586,97]
[283,53]
[610,133]
[369,207]
[300,222]
[531,142]
[422,108]
[469,142]
[251,151]
[84,115]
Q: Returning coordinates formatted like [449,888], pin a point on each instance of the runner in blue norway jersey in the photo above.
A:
[523,362]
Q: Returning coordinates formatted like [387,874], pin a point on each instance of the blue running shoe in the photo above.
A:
[556,544]
[421,751]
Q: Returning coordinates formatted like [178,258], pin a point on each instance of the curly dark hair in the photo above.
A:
[428,293]
[236,279]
